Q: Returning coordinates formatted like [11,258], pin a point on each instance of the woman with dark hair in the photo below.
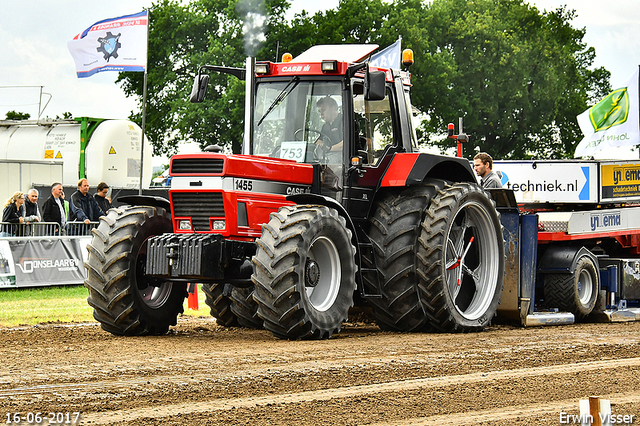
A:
[12,212]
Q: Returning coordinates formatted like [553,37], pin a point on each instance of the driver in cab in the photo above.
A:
[331,133]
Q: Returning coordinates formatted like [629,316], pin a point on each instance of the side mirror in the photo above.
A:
[199,88]
[374,85]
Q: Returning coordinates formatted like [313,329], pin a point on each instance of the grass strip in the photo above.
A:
[62,304]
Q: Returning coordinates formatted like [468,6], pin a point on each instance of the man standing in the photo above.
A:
[83,207]
[101,197]
[31,210]
[483,165]
[53,208]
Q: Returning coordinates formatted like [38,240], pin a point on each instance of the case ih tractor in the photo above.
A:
[329,206]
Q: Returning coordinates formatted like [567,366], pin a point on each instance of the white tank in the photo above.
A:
[112,154]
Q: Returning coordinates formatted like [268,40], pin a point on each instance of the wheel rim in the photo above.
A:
[323,294]
[471,269]
[154,293]
[585,287]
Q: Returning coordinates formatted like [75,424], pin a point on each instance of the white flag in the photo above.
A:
[117,44]
[389,57]
[611,122]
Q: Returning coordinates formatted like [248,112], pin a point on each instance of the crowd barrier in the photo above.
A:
[42,254]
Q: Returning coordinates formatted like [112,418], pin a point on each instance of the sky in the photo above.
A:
[34,58]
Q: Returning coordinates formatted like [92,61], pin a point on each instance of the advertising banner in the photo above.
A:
[45,262]
[537,182]
[7,270]
[620,181]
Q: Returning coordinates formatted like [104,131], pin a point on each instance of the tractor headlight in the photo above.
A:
[218,225]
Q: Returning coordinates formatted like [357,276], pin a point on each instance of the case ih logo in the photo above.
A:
[109,45]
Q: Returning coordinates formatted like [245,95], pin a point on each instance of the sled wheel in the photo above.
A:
[125,301]
[219,304]
[461,259]
[576,293]
[304,272]
[394,230]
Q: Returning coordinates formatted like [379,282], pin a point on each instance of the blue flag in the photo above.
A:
[388,58]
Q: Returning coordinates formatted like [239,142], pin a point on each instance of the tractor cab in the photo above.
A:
[328,108]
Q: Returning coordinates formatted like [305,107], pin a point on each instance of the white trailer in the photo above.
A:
[98,149]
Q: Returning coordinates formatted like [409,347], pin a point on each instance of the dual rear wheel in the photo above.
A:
[440,252]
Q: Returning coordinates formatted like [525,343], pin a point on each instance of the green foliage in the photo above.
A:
[14,115]
[517,76]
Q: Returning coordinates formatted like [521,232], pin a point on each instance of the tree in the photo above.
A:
[182,37]
[518,76]
[14,115]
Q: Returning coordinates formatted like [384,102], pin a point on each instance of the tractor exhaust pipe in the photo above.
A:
[248,106]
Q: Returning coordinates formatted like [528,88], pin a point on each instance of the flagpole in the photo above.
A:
[144,105]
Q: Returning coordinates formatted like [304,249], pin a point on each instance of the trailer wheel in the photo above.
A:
[576,293]
[394,230]
[219,304]
[304,272]
[125,301]
[244,307]
[461,259]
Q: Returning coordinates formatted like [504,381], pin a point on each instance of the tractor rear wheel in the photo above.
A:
[219,304]
[304,272]
[394,230]
[245,307]
[125,301]
[461,259]
[576,293]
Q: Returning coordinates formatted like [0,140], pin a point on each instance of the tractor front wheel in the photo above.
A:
[304,272]
[124,299]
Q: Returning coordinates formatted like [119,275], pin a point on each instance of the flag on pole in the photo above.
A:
[614,121]
[389,57]
[117,44]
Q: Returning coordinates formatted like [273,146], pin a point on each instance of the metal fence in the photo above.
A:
[44,229]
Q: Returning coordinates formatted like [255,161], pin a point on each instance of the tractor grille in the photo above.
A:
[199,206]
[197,165]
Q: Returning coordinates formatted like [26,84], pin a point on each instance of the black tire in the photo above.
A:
[219,304]
[304,272]
[576,293]
[460,291]
[245,307]
[394,229]
[124,300]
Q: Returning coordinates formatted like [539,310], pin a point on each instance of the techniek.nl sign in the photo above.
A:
[550,181]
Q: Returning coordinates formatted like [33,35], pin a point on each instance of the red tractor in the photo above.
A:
[329,206]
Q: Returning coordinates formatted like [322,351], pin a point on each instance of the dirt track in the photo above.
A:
[205,374]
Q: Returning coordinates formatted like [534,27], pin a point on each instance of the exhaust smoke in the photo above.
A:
[252,13]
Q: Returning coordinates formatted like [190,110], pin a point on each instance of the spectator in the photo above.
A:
[483,165]
[83,207]
[101,197]
[31,210]
[12,213]
[53,208]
